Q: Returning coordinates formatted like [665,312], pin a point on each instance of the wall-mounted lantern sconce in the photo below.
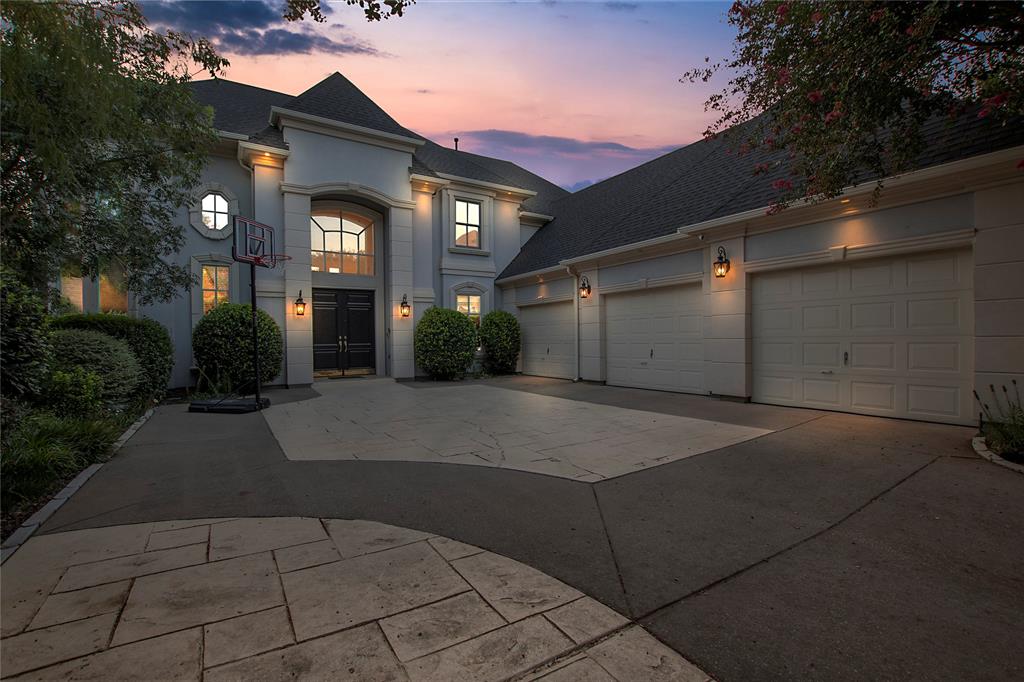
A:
[300,305]
[721,266]
[584,287]
[404,308]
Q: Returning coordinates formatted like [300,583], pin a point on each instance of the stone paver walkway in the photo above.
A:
[304,598]
[378,419]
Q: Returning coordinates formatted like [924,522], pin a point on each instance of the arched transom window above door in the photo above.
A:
[341,242]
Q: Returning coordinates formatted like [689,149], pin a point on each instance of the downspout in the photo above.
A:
[576,312]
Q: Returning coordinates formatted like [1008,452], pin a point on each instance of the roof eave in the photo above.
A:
[279,113]
[508,189]
[953,168]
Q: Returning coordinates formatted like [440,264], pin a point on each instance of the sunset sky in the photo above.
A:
[575,91]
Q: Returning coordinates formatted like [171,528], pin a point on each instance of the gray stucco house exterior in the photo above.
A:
[897,309]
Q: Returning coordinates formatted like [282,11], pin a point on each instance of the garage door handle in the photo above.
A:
[548,351]
[652,353]
[826,371]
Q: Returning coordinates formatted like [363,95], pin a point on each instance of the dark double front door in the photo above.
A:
[343,330]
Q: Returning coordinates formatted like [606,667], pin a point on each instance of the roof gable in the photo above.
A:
[338,99]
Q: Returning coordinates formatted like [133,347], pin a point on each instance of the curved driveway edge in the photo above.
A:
[276,598]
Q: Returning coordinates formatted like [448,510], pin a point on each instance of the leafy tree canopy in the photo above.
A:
[844,87]
[375,10]
[101,141]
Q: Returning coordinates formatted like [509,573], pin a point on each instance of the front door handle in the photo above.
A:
[826,371]
[343,343]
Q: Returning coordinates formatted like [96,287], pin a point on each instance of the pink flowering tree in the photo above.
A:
[841,88]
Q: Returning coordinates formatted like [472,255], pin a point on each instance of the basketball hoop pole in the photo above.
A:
[255,335]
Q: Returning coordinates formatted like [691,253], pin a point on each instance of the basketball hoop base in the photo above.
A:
[233,406]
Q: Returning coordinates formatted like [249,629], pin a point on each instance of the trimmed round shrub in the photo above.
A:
[222,346]
[445,343]
[148,339]
[500,338]
[24,345]
[109,358]
[77,392]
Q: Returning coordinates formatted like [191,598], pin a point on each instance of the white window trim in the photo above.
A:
[195,211]
[486,221]
[470,289]
[196,297]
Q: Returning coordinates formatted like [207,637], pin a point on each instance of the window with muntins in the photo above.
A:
[469,305]
[467,224]
[341,243]
[215,286]
[215,211]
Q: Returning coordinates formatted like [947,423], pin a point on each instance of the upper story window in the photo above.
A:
[215,211]
[341,242]
[469,305]
[215,286]
[467,224]
[212,208]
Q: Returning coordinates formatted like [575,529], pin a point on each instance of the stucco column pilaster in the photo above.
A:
[298,277]
[727,344]
[400,282]
[592,352]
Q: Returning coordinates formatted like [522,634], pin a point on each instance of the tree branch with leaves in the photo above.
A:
[840,90]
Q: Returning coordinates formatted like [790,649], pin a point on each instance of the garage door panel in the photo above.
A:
[548,338]
[654,339]
[895,339]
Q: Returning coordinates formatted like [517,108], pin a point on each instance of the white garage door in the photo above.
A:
[654,339]
[548,339]
[891,337]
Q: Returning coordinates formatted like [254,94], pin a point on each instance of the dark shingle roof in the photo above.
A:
[244,109]
[238,108]
[437,159]
[337,98]
[707,180]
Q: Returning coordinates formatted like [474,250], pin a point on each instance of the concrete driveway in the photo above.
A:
[480,425]
[833,547]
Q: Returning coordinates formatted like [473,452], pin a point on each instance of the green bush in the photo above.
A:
[24,346]
[44,449]
[148,340]
[222,346]
[76,392]
[104,355]
[445,343]
[500,338]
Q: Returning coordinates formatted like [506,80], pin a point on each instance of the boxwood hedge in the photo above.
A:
[222,346]
[148,340]
[500,338]
[109,358]
[445,343]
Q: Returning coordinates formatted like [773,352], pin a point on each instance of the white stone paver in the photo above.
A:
[365,601]
[379,419]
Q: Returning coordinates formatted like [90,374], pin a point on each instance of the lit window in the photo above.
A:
[113,292]
[469,306]
[341,243]
[215,211]
[215,286]
[467,224]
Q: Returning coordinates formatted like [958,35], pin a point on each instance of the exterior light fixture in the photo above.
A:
[584,287]
[300,305]
[721,266]
[404,308]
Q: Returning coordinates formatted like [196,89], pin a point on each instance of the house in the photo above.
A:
[670,276]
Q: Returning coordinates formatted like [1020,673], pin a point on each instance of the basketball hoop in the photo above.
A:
[271,260]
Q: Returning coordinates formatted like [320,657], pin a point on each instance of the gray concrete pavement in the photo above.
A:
[837,547]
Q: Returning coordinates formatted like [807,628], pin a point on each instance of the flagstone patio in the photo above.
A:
[379,419]
[304,598]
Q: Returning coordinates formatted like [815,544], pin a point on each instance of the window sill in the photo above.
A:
[468,251]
